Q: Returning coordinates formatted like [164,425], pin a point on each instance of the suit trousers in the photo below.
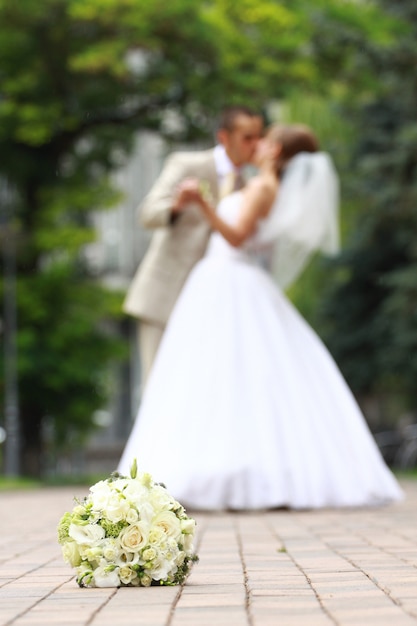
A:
[150,336]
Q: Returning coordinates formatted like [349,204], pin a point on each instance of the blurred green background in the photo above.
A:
[80,80]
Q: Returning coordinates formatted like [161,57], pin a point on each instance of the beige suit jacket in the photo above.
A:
[174,248]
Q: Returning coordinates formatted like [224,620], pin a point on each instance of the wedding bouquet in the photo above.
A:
[128,531]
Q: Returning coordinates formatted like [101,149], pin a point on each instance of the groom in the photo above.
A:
[180,231]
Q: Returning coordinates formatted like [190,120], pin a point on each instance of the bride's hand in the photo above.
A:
[189,190]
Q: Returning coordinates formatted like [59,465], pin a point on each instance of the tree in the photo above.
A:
[78,78]
[371,312]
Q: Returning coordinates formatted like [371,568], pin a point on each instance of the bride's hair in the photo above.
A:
[293,138]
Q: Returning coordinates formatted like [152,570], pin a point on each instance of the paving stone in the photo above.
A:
[269,568]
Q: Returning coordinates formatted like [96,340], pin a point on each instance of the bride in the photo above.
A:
[245,408]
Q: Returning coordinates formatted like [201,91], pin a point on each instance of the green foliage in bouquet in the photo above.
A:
[129,531]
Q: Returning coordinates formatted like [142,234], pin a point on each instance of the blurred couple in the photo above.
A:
[244,408]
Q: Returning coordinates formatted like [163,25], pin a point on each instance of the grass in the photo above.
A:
[85,480]
[409,473]
[8,483]
[81,480]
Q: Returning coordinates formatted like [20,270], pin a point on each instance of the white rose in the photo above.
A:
[134,537]
[160,499]
[79,510]
[132,516]
[156,536]
[146,511]
[135,492]
[99,495]
[187,526]
[116,508]
[146,580]
[169,523]
[111,549]
[100,486]
[71,553]
[161,569]
[86,534]
[149,554]
[120,484]
[127,574]
[91,553]
[171,551]
[106,576]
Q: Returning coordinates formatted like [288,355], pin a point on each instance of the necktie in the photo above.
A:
[239,181]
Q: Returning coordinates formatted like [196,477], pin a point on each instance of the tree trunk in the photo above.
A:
[31,443]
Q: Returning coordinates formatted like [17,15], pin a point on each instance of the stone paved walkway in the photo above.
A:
[258,569]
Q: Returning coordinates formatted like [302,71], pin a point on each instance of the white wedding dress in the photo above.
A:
[245,408]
